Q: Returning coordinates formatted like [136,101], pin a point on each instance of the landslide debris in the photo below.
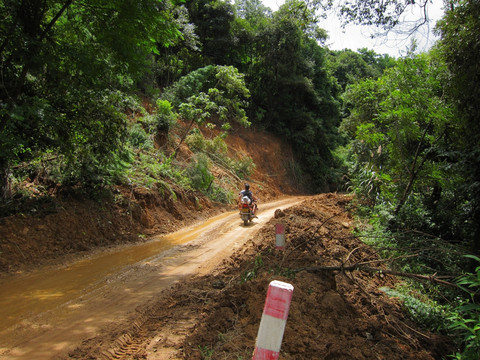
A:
[333,315]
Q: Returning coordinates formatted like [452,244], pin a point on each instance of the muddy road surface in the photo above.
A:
[334,315]
[47,313]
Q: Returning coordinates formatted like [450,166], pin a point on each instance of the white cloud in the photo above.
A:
[355,37]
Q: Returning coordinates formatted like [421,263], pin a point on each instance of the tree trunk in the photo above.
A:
[183,138]
[413,172]
[5,188]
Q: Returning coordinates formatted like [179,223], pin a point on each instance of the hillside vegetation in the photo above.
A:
[126,105]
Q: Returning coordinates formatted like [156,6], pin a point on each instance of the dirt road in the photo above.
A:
[47,313]
[333,315]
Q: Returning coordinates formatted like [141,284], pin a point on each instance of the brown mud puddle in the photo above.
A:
[46,289]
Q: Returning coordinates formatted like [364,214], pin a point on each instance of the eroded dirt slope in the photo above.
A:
[65,225]
[333,315]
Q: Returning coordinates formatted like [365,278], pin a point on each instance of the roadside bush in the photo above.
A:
[159,121]
[165,116]
[426,313]
[150,167]
[466,317]
[217,193]
[195,141]
[201,178]
[216,149]
[199,174]
[244,167]
[138,138]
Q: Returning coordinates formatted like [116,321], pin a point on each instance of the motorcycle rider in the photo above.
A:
[253,200]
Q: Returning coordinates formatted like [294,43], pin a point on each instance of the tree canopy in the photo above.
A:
[63,65]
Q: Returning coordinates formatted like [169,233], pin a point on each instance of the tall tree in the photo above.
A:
[402,127]
[292,92]
[61,64]
[348,66]
[213,20]
[460,46]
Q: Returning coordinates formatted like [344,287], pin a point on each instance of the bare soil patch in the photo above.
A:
[333,315]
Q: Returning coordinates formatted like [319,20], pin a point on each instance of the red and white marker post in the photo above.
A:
[274,319]
[279,236]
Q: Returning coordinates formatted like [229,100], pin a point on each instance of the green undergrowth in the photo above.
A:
[454,310]
[140,162]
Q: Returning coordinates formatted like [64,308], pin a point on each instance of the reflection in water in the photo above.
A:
[28,295]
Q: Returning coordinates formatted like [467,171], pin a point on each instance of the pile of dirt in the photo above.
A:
[333,315]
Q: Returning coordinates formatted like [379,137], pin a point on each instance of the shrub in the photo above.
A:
[138,138]
[199,174]
[466,318]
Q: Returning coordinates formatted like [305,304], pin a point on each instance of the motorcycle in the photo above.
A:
[246,210]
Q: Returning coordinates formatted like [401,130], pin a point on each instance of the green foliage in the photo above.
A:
[211,93]
[157,124]
[349,67]
[399,156]
[201,178]
[459,46]
[244,167]
[427,313]
[165,116]
[198,143]
[252,274]
[191,84]
[213,21]
[219,194]
[151,166]
[63,66]
[466,318]
[253,12]
[216,149]
[138,138]
[293,95]
[199,174]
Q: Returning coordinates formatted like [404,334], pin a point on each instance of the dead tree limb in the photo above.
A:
[431,278]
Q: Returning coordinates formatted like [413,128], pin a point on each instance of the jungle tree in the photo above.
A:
[460,46]
[402,128]
[292,92]
[62,65]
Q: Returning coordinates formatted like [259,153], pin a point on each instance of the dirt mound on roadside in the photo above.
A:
[333,315]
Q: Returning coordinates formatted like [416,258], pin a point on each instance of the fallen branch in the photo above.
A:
[432,278]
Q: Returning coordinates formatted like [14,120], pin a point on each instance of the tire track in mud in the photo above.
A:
[58,331]
[137,335]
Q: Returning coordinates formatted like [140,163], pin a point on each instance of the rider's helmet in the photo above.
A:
[247,186]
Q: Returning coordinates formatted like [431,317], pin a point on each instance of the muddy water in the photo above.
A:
[25,296]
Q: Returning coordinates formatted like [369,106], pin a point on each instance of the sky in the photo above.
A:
[356,37]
